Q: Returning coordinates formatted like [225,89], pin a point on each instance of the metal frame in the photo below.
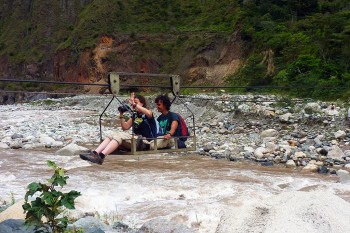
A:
[114,88]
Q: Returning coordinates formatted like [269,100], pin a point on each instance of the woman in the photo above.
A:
[142,122]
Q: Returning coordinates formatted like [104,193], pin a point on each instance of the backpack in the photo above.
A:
[183,129]
[155,132]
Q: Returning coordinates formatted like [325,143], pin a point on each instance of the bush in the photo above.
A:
[44,213]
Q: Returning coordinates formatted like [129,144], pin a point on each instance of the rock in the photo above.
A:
[268,113]
[299,154]
[213,123]
[208,148]
[270,147]
[293,143]
[290,163]
[244,108]
[312,108]
[267,164]
[15,226]
[310,167]
[89,224]
[269,133]
[16,145]
[322,151]
[285,118]
[161,225]
[340,134]
[344,176]
[44,139]
[205,129]
[323,170]
[335,153]
[3,145]
[72,149]
[16,135]
[15,211]
[277,159]
[259,152]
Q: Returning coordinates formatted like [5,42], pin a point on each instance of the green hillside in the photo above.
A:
[300,44]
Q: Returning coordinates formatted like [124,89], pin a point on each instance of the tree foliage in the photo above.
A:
[311,44]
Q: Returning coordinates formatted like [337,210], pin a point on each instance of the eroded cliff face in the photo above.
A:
[208,65]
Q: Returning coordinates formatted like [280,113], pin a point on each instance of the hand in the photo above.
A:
[132,99]
[167,136]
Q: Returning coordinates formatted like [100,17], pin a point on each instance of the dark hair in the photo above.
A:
[142,100]
[165,99]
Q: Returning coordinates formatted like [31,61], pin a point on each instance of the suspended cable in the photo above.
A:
[160,75]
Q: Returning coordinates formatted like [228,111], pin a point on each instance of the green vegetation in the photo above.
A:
[45,211]
[310,44]
[301,45]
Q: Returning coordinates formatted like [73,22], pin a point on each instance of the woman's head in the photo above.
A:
[140,99]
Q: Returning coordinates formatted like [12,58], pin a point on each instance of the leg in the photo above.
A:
[103,145]
[112,146]
[162,143]
[114,142]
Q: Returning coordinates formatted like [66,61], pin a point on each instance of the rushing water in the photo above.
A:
[191,189]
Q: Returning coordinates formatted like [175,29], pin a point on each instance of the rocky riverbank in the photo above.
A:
[301,135]
[313,135]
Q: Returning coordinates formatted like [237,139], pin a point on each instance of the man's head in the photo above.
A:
[163,103]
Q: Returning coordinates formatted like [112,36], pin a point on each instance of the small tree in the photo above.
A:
[44,212]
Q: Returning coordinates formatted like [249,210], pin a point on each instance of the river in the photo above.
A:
[188,188]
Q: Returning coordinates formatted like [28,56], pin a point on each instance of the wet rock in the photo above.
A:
[323,170]
[15,145]
[72,149]
[310,167]
[17,135]
[344,176]
[4,145]
[161,225]
[15,226]
[89,224]
[208,148]
[267,163]
[290,163]
[122,227]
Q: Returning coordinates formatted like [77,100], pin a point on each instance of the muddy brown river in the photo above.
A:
[188,188]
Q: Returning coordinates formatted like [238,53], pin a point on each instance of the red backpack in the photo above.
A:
[183,128]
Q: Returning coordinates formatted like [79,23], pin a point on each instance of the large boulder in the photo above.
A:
[13,212]
[71,149]
[15,226]
[289,212]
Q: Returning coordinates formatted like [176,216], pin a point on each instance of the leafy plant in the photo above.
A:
[45,211]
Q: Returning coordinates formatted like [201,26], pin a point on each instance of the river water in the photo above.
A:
[188,188]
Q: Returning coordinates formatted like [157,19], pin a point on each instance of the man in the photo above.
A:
[169,122]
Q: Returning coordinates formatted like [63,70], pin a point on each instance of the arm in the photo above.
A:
[137,107]
[125,124]
[146,111]
[173,128]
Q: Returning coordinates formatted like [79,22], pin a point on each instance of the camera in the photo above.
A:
[124,108]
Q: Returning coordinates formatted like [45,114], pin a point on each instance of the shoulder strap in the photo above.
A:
[155,131]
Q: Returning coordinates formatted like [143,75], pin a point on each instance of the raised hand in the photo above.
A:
[132,99]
